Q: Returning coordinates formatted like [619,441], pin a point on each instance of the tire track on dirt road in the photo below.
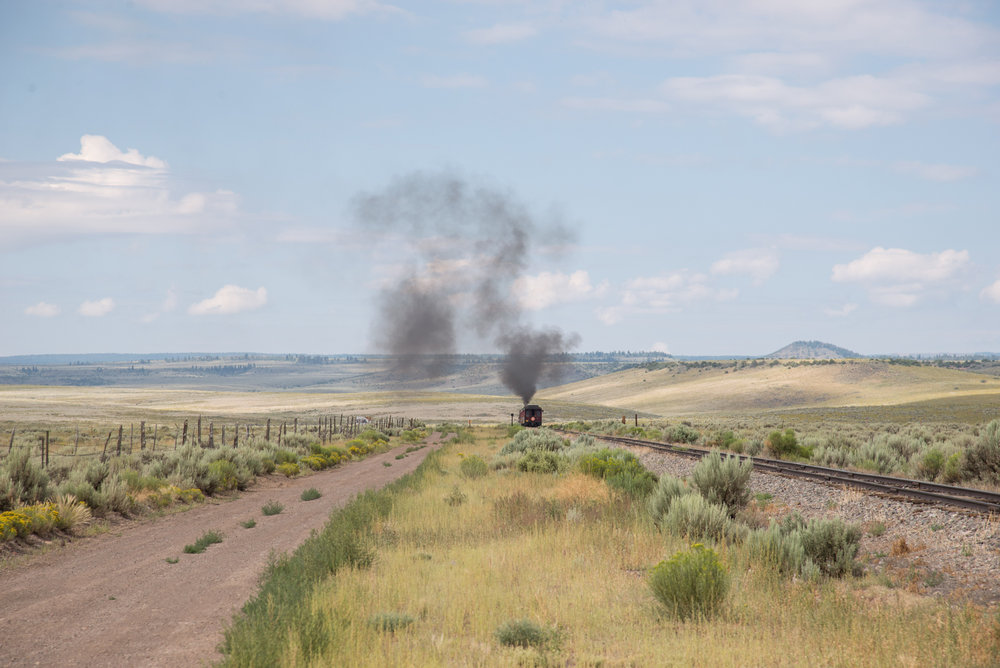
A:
[113,600]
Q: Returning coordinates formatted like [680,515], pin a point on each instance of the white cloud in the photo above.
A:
[97,308]
[991,293]
[455,81]
[96,148]
[758,263]
[900,278]
[850,103]
[230,299]
[102,190]
[841,311]
[501,33]
[900,265]
[638,105]
[549,288]
[936,172]
[43,310]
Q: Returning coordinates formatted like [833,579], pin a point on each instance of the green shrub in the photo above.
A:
[786,446]
[667,489]
[474,466]
[690,515]
[620,469]
[222,472]
[681,434]
[877,456]
[692,583]
[22,481]
[289,469]
[272,507]
[930,464]
[982,460]
[832,546]
[310,494]
[774,548]
[535,439]
[538,461]
[513,429]
[390,621]
[954,469]
[206,539]
[724,481]
[522,633]
[249,524]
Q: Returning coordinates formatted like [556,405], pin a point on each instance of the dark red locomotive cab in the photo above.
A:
[530,416]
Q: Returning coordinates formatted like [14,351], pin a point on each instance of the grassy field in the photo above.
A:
[455,559]
[739,387]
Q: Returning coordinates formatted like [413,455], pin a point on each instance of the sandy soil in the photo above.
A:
[113,600]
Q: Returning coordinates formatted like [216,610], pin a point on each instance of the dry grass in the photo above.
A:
[851,383]
[462,571]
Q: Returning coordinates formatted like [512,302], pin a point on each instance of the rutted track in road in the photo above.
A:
[113,600]
[914,490]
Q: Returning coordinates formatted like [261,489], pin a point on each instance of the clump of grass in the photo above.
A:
[249,524]
[474,466]
[310,494]
[523,633]
[390,621]
[692,583]
[206,539]
[667,490]
[400,456]
[272,507]
[387,464]
[172,560]
[456,498]
[691,516]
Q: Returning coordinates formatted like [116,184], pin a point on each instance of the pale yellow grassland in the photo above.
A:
[852,383]
[461,574]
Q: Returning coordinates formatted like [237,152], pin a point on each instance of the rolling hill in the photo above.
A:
[810,350]
[756,385]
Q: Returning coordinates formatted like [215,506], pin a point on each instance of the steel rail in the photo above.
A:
[918,490]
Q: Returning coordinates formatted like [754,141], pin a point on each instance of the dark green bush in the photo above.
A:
[786,446]
[681,434]
[667,490]
[206,539]
[310,494]
[692,583]
[930,464]
[522,633]
[621,470]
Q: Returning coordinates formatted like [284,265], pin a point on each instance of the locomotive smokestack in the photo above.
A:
[474,241]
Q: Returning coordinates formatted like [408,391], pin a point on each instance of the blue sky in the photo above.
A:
[181,175]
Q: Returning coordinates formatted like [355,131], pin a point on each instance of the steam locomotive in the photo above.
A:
[530,416]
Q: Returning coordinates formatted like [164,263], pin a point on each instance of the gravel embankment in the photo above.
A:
[926,549]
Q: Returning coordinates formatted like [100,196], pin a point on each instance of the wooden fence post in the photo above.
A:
[156,428]
[267,433]
[236,435]
[131,436]
[11,446]
[296,428]
[211,434]
[184,441]
[46,448]
[106,441]
[142,435]
[76,443]
[199,430]
[119,449]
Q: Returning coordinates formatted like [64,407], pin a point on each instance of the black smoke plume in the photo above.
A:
[474,241]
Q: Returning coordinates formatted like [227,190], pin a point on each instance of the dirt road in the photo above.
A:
[114,600]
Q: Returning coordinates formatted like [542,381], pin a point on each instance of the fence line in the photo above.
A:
[326,428]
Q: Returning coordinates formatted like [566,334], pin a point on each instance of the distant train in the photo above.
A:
[530,416]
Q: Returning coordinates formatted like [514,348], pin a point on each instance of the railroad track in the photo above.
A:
[913,490]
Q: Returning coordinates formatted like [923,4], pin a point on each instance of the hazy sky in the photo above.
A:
[181,175]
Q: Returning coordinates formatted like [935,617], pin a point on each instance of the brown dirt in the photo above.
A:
[113,600]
